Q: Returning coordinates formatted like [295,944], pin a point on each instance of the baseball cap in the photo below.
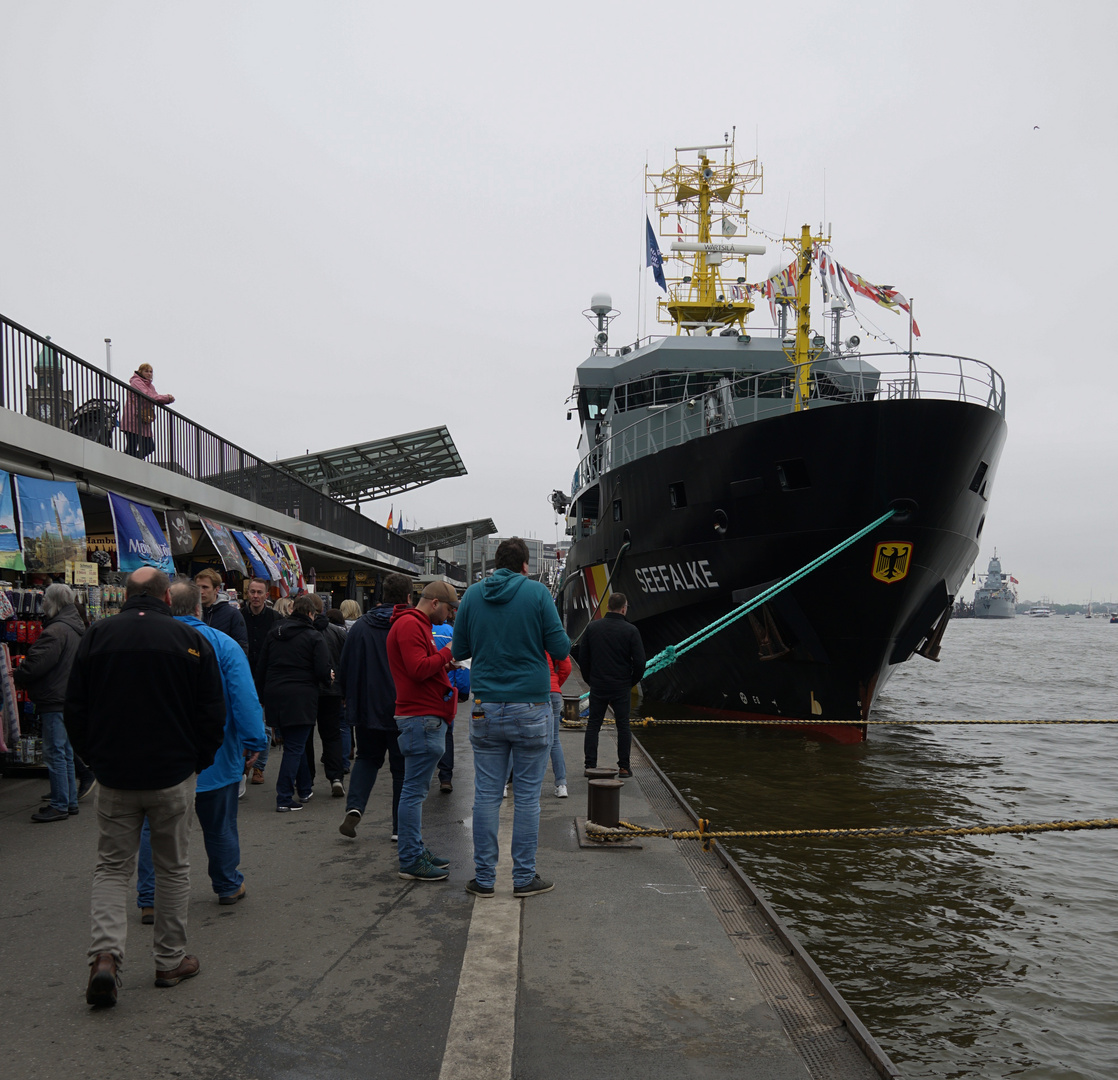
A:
[441,590]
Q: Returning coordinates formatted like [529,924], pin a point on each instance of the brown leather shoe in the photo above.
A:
[147,916]
[187,969]
[103,980]
[257,775]
[235,898]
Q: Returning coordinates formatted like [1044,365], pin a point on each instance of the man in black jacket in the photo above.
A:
[329,706]
[44,673]
[611,659]
[145,709]
[217,611]
[370,697]
[293,669]
[259,619]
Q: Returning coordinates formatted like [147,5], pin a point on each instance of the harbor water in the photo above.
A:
[973,956]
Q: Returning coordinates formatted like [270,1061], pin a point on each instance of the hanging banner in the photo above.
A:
[225,546]
[293,561]
[289,564]
[258,568]
[139,538]
[51,524]
[264,552]
[178,532]
[11,558]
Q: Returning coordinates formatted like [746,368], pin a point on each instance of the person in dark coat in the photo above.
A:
[145,708]
[370,696]
[44,673]
[293,668]
[329,706]
[217,611]
[611,659]
[259,619]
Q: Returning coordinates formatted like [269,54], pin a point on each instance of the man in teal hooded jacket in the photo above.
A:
[507,625]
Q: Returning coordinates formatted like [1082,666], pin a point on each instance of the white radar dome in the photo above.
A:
[601,303]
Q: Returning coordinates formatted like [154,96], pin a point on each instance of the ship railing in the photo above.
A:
[726,402]
[52,385]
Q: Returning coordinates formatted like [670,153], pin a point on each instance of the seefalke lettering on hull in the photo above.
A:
[676,577]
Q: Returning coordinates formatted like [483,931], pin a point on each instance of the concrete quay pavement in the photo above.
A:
[333,967]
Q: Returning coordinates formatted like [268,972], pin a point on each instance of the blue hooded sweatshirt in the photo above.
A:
[244,719]
[508,624]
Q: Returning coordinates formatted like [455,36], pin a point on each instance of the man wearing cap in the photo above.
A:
[425,701]
[509,626]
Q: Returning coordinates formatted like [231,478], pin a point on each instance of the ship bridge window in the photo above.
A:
[592,402]
[639,394]
[671,388]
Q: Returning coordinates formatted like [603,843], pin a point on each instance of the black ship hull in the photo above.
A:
[711,523]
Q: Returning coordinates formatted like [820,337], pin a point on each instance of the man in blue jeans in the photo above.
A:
[215,799]
[425,701]
[508,625]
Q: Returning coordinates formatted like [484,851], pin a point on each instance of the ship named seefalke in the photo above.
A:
[718,459]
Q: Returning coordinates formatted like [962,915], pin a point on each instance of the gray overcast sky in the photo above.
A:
[324,223]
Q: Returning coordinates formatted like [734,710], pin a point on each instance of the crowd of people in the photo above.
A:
[174,703]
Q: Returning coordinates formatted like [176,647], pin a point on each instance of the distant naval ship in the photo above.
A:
[996,599]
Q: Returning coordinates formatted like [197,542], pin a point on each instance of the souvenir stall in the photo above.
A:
[49,531]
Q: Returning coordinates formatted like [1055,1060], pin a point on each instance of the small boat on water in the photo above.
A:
[718,458]
[1039,612]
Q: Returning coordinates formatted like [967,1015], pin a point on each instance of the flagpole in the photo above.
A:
[640,258]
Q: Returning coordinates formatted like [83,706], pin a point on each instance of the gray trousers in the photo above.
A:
[120,819]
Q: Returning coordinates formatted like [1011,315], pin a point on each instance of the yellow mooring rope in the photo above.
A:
[651,721]
[625,830]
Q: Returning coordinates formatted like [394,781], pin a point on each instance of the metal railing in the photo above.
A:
[726,402]
[41,380]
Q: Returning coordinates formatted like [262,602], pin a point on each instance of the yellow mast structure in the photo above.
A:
[698,299]
[804,351]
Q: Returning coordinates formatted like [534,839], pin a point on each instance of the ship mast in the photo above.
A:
[698,299]
[807,347]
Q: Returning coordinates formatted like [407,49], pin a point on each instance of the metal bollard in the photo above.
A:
[604,802]
[596,774]
[571,708]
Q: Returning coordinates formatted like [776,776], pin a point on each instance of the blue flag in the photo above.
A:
[652,256]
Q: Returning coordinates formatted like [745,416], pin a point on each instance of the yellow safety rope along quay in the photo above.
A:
[651,721]
[777,721]
[625,830]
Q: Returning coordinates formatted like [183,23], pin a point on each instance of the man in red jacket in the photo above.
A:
[425,701]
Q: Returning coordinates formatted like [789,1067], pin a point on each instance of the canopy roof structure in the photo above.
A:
[446,536]
[374,470]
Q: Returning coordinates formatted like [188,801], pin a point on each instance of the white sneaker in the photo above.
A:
[506,794]
[560,791]
[242,786]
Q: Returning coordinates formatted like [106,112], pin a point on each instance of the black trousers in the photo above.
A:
[372,746]
[446,762]
[330,732]
[619,701]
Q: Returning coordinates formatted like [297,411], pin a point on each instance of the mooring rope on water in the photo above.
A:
[626,830]
[669,655]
